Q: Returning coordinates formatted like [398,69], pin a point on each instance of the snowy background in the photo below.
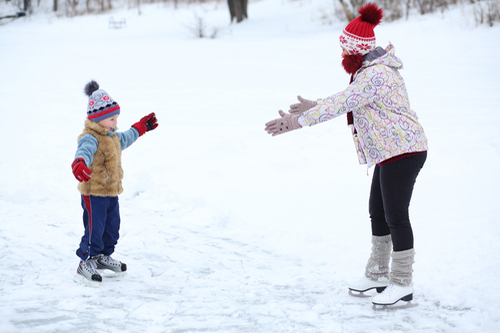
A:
[224,228]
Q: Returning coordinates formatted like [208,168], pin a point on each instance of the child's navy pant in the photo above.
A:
[390,196]
[101,219]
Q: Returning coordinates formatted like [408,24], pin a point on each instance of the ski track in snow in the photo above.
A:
[225,229]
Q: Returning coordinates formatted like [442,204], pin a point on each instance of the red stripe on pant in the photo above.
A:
[88,207]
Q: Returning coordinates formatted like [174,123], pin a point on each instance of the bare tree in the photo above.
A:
[348,13]
[238,9]
[26,5]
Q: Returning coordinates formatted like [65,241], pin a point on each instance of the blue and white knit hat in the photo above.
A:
[100,106]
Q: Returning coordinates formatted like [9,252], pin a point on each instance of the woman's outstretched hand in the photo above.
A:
[286,123]
[304,105]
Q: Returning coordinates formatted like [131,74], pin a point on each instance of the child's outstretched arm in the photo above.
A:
[146,124]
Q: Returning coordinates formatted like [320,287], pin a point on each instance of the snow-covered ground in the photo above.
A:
[224,228]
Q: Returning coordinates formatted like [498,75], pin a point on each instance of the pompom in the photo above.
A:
[91,87]
[352,62]
[372,14]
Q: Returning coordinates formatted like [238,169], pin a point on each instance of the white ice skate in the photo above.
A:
[110,267]
[365,284]
[394,296]
[87,273]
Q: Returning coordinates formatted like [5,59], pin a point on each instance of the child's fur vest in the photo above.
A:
[107,172]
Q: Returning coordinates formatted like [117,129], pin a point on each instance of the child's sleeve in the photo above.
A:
[128,137]
[87,146]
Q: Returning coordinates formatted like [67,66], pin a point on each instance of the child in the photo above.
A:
[386,134]
[97,166]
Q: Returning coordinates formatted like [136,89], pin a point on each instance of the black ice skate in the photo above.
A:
[116,267]
[87,273]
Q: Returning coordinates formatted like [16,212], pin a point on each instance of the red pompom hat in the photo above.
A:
[358,36]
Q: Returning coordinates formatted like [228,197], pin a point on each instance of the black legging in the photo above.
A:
[390,196]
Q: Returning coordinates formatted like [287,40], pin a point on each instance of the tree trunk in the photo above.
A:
[244,4]
[238,9]
[349,15]
[231,9]
[26,5]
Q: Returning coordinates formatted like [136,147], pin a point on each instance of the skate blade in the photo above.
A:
[83,280]
[109,274]
[359,294]
[395,306]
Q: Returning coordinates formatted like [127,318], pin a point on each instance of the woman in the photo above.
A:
[387,135]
